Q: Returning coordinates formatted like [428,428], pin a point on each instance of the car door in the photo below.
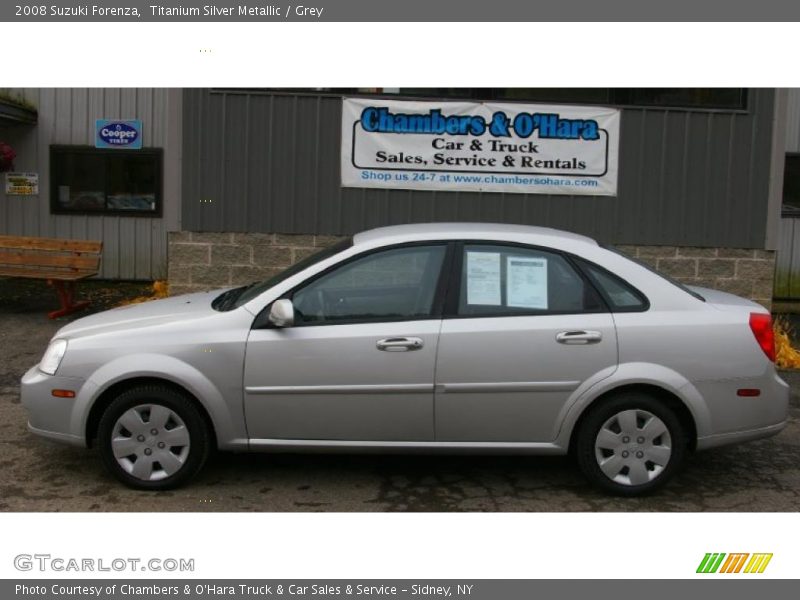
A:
[525,329]
[358,363]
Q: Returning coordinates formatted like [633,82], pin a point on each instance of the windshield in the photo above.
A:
[667,278]
[242,295]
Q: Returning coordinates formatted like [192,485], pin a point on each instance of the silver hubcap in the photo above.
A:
[150,442]
[633,447]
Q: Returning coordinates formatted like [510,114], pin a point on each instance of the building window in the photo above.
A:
[729,99]
[791,186]
[90,180]
[702,98]
[684,98]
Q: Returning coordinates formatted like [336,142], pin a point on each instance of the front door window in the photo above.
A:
[392,285]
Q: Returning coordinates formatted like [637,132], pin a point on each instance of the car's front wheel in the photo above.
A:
[630,444]
[153,437]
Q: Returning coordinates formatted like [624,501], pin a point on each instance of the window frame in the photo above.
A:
[456,276]
[437,308]
[791,212]
[613,100]
[156,153]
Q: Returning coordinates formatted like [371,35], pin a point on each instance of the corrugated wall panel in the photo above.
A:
[673,169]
[270,163]
[793,121]
[134,247]
[786,275]
[235,154]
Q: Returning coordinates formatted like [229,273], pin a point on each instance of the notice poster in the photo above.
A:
[483,278]
[22,184]
[526,282]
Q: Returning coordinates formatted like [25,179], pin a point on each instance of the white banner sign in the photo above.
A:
[490,147]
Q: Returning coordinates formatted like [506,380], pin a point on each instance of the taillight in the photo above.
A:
[761,326]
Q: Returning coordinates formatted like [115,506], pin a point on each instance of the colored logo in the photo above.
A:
[118,134]
[379,119]
[741,562]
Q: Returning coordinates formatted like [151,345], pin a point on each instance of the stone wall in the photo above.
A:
[205,261]
[744,272]
[202,261]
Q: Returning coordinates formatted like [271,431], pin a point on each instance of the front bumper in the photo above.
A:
[54,418]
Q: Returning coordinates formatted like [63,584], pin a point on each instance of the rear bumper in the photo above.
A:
[736,437]
[736,419]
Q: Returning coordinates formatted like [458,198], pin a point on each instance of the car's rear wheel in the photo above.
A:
[631,444]
[153,437]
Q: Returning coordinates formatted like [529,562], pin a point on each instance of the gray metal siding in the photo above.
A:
[270,163]
[787,259]
[793,121]
[133,247]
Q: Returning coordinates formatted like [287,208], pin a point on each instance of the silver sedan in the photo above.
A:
[432,337]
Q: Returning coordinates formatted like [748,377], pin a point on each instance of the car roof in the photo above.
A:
[472,231]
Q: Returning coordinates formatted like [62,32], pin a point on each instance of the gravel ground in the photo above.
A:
[41,476]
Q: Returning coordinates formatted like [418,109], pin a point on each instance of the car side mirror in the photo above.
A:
[281,313]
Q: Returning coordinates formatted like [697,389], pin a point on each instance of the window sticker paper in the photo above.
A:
[526,282]
[483,278]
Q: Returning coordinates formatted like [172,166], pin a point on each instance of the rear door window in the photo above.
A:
[501,280]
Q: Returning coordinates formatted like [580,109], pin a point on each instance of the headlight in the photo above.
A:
[52,356]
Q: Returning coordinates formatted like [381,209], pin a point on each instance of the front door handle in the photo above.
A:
[579,337]
[399,344]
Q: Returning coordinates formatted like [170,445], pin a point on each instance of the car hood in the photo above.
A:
[145,314]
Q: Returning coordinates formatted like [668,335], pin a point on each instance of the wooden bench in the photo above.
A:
[60,262]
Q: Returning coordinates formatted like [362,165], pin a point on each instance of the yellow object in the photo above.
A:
[160,290]
[786,356]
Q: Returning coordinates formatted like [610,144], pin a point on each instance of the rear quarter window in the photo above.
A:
[666,278]
[618,293]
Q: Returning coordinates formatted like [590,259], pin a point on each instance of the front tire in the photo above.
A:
[153,437]
[631,444]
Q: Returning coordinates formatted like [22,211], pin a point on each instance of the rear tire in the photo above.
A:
[153,437]
[631,444]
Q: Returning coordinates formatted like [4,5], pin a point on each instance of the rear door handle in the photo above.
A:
[579,337]
[399,344]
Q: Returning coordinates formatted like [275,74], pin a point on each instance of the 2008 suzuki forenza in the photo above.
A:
[430,337]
